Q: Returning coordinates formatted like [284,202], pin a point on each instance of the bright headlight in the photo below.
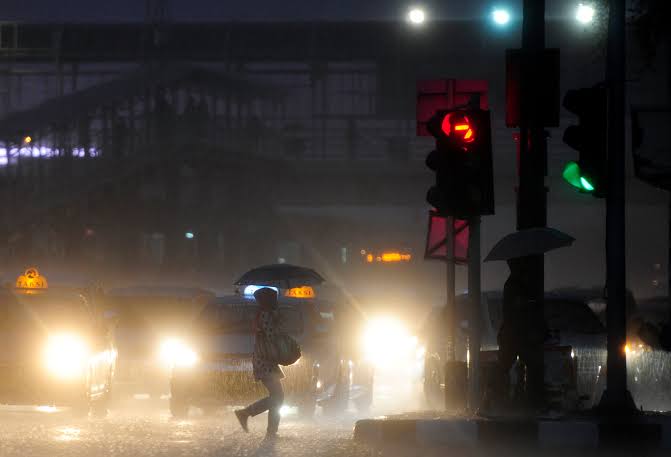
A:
[65,355]
[175,353]
[386,340]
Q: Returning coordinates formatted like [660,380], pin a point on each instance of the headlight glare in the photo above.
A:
[66,355]
[386,340]
[175,353]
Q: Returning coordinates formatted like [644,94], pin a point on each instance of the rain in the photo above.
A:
[335,228]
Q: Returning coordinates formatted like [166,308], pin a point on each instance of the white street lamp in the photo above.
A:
[584,13]
[416,16]
[501,16]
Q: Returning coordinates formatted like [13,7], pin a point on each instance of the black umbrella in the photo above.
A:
[283,276]
[526,242]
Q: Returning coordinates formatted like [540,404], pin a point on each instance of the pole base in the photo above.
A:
[617,405]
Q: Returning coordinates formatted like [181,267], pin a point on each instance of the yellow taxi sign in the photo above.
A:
[31,279]
[300,292]
[388,257]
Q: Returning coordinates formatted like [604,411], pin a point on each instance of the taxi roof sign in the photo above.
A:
[300,292]
[31,279]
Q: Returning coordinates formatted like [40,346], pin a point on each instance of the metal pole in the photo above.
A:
[616,398]
[532,198]
[450,311]
[450,289]
[474,297]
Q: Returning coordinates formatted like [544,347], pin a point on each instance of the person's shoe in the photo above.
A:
[242,416]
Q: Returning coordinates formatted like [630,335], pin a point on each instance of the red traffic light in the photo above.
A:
[457,126]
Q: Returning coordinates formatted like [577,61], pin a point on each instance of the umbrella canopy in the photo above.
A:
[284,276]
[532,241]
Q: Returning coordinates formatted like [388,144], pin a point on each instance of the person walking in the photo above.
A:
[265,370]
[523,331]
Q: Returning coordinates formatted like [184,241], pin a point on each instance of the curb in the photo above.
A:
[576,434]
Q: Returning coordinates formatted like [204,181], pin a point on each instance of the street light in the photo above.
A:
[416,16]
[584,13]
[501,16]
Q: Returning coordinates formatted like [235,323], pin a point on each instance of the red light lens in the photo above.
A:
[446,125]
[458,126]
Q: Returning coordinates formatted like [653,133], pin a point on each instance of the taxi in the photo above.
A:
[212,364]
[57,348]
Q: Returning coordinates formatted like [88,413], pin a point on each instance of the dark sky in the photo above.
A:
[213,10]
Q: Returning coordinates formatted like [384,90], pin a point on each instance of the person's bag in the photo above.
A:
[286,349]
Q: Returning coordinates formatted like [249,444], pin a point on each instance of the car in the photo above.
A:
[577,337]
[213,366]
[145,316]
[57,347]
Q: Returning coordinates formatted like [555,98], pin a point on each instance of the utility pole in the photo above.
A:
[532,193]
[616,399]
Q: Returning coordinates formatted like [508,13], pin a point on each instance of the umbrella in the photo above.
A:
[532,241]
[284,276]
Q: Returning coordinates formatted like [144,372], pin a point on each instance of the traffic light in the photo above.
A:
[589,173]
[462,162]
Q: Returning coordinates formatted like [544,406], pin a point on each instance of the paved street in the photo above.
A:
[149,431]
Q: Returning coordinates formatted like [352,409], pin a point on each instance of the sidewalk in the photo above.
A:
[647,431]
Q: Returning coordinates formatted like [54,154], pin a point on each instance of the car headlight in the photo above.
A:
[66,355]
[176,353]
[386,340]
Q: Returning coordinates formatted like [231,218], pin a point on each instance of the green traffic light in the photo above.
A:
[573,175]
[586,184]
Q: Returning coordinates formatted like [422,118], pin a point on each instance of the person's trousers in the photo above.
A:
[272,403]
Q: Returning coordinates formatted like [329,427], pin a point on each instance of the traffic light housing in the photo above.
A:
[462,162]
[589,173]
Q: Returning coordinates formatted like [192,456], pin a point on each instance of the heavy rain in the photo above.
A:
[335,228]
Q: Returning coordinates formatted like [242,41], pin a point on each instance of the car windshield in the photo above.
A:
[240,319]
[145,312]
[45,309]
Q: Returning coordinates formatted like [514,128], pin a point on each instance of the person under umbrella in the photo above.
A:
[523,331]
[265,370]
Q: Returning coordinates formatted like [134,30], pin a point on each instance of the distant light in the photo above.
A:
[286,410]
[249,290]
[501,16]
[189,235]
[416,16]
[584,13]
[27,139]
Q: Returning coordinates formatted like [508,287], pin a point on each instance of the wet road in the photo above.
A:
[149,431]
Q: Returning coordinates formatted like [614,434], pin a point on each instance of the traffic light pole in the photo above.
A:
[474,297]
[450,289]
[532,193]
[616,399]
[450,387]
